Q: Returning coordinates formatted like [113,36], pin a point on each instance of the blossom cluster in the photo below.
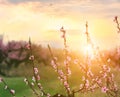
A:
[36,76]
[61,75]
[91,81]
[103,80]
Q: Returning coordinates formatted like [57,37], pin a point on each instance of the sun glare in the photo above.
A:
[88,51]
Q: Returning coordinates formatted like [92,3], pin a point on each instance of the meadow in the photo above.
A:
[50,83]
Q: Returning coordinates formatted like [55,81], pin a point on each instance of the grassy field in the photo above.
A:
[51,87]
[50,84]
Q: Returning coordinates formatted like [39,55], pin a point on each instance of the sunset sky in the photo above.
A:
[42,19]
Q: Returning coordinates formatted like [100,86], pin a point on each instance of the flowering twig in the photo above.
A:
[67,57]
[63,77]
[31,86]
[60,73]
[88,73]
[36,76]
[110,88]
[11,91]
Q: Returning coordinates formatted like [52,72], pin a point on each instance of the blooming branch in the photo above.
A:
[36,76]
[11,91]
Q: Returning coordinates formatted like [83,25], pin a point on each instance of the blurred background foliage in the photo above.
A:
[14,58]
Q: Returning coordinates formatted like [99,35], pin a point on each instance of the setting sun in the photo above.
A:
[89,51]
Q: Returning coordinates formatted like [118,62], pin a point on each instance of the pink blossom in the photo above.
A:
[104,67]
[62,30]
[115,87]
[25,80]
[40,86]
[33,78]
[63,36]
[108,60]
[69,71]
[104,89]
[99,81]
[101,71]
[1,79]
[66,85]
[108,69]
[68,58]
[93,87]
[65,62]
[83,78]
[53,64]
[105,75]
[28,46]
[65,77]
[60,79]
[76,61]
[5,87]
[36,70]
[12,91]
[55,58]
[89,73]
[68,89]
[32,83]
[87,83]
[81,86]
[38,77]
[31,58]
[48,95]
[112,75]
[61,73]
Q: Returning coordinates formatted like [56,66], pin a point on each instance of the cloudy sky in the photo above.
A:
[42,19]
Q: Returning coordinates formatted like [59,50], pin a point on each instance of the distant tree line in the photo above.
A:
[14,53]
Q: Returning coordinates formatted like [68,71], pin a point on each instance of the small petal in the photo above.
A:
[12,91]
[36,70]
[104,89]
[1,79]
[31,58]
[28,46]
[6,87]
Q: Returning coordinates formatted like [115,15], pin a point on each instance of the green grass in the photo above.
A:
[52,87]
[50,84]
[21,89]
[18,85]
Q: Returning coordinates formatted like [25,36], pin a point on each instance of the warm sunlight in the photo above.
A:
[89,51]
[59,48]
[42,20]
